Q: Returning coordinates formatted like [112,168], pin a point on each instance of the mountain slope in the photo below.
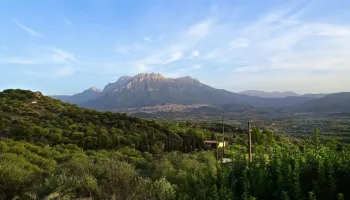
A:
[25,115]
[152,89]
[274,94]
[316,96]
[112,86]
[337,102]
[80,98]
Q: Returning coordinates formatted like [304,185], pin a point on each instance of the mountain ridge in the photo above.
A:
[274,94]
[153,89]
[336,102]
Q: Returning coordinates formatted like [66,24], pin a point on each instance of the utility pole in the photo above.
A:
[250,141]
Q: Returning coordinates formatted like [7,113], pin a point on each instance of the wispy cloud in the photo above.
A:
[48,56]
[238,43]
[195,53]
[28,30]
[147,39]
[127,49]
[65,71]
[63,56]
[199,29]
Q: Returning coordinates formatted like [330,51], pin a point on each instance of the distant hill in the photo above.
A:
[337,102]
[30,116]
[80,98]
[274,94]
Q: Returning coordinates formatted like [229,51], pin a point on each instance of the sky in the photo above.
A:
[65,46]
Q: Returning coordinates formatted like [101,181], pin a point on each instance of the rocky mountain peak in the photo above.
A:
[124,78]
[94,89]
[188,80]
[152,76]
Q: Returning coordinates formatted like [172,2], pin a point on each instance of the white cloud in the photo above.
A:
[28,30]
[195,53]
[127,49]
[54,56]
[278,41]
[199,29]
[143,68]
[281,40]
[147,39]
[238,43]
[62,56]
[173,57]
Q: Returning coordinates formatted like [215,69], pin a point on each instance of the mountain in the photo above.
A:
[154,89]
[111,86]
[274,94]
[316,96]
[80,98]
[337,102]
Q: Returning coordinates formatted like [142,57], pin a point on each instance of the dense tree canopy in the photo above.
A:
[53,150]
[29,116]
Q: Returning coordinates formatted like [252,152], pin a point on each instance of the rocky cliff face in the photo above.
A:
[112,86]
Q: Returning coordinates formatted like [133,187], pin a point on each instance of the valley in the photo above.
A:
[154,96]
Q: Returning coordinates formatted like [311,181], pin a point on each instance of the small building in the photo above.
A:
[34,102]
[214,144]
[226,160]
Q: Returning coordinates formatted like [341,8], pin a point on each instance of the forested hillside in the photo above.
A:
[54,150]
[25,115]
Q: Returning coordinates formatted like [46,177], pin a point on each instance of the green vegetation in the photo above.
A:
[32,117]
[52,150]
[337,128]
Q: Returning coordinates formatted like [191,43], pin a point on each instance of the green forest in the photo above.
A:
[54,150]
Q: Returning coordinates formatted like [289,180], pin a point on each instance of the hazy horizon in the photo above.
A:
[64,47]
[101,88]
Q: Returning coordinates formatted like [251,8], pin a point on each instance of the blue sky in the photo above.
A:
[66,46]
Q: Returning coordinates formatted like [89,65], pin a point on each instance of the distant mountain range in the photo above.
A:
[154,89]
[337,102]
[263,94]
[277,94]
[80,98]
